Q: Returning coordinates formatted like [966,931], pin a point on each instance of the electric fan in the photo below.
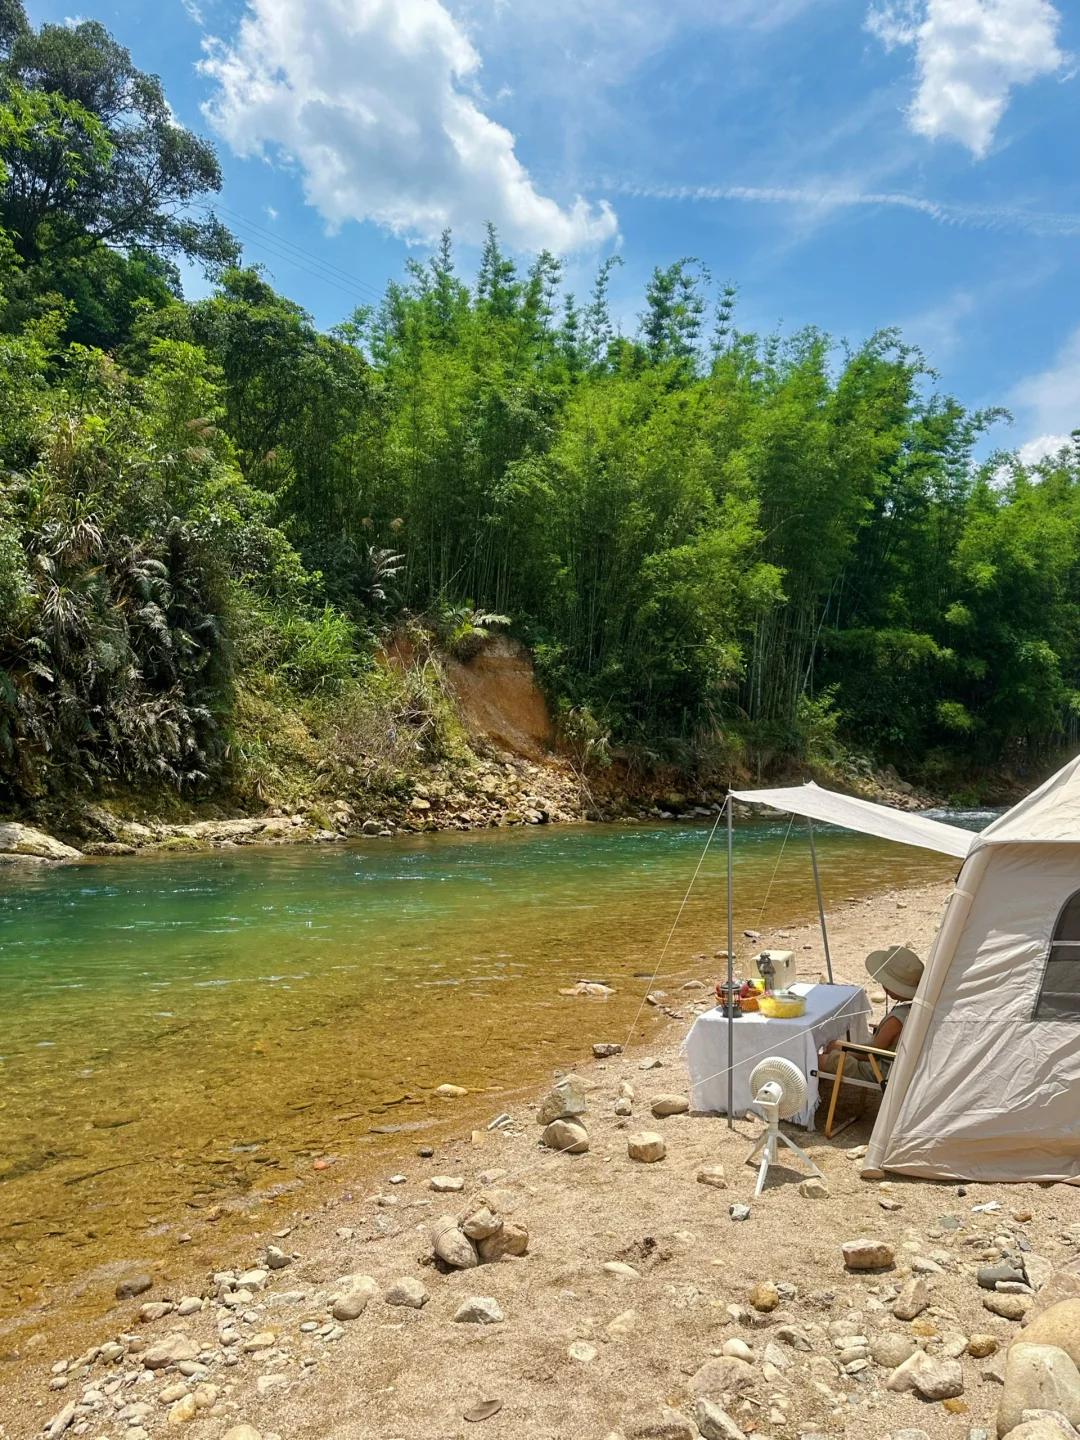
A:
[779,1089]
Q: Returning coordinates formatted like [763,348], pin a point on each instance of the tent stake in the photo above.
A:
[730,977]
[820,903]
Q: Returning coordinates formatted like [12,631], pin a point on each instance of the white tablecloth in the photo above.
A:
[832,1011]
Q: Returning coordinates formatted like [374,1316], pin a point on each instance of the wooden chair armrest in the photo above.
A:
[865,1049]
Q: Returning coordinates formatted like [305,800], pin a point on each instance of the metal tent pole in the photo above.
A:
[820,902]
[730,977]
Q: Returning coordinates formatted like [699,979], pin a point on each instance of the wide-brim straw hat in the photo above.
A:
[898,969]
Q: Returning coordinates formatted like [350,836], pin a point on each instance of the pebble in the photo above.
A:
[481,1224]
[451,1091]
[623,1271]
[604,1051]
[443,1184]
[646,1145]
[988,1276]
[814,1188]
[132,1285]
[479,1310]
[649,1063]
[663,1105]
[891,1349]
[738,1349]
[566,1136]
[169,1351]
[512,1238]
[183,1411]
[426,1152]
[714,1423]
[582,1352]
[868,1254]
[623,1106]
[154,1310]
[739,1212]
[712,1175]
[1009,1307]
[189,1305]
[409,1292]
[351,1305]
[764,1296]
[912,1300]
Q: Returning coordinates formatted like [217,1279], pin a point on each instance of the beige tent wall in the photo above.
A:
[995,1095]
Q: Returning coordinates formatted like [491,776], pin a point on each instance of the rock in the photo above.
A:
[451,1245]
[713,1423]
[566,1098]
[626,1090]
[764,1296]
[567,1137]
[775,1356]
[168,1351]
[1044,1428]
[183,1411]
[649,1063]
[646,1145]
[582,1352]
[132,1285]
[266,1384]
[481,1224]
[623,1106]
[277,1259]
[663,1105]
[1009,1307]
[980,1346]
[407,1292]
[738,1349]
[351,1305]
[511,1239]
[262,1340]
[189,1305]
[669,1425]
[797,1339]
[891,1349]
[479,1310]
[444,1184]
[1059,1325]
[726,1374]
[868,1254]
[624,1272]
[242,1432]
[1062,1285]
[624,1324]
[451,1092]
[712,1175]
[988,1276]
[25,841]
[252,1280]
[155,1310]
[1038,1271]
[604,1051]
[60,1421]
[814,1188]
[1038,1377]
[939,1379]
[912,1300]
[902,1378]
[739,1212]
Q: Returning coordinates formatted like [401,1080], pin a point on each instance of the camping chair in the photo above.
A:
[838,1078]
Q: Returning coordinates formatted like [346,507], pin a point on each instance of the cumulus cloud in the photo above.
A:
[1051,403]
[376,103]
[968,56]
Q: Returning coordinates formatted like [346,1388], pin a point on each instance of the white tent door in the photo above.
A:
[995,1095]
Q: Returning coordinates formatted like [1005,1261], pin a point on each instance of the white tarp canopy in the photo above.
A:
[862,815]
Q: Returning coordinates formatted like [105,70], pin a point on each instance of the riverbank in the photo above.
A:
[582,1350]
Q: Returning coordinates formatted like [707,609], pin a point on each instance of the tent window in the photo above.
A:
[1059,996]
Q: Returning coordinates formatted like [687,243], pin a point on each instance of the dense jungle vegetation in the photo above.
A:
[717,544]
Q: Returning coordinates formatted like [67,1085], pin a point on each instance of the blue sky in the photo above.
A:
[847,163]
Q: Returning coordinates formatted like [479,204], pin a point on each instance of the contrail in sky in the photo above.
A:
[986,217]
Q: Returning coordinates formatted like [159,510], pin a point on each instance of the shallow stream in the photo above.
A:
[181,1031]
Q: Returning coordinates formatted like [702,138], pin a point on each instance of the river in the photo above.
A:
[187,1032]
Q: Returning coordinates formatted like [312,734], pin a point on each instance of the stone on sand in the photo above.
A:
[566,1136]
[511,1239]
[714,1423]
[444,1184]
[1059,1325]
[726,1374]
[479,1310]
[868,1254]
[814,1188]
[1009,1307]
[912,1300]
[451,1245]
[1038,1377]
[891,1349]
[712,1175]
[565,1098]
[764,1296]
[481,1224]
[663,1105]
[409,1292]
[646,1145]
[135,1284]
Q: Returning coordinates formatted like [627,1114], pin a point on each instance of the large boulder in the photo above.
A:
[1058,1325]
[1038,1377]
[25,843]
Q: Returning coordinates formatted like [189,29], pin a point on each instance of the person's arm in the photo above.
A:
[887,1035]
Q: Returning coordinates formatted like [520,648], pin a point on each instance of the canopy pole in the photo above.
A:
[730,975]
[820,903]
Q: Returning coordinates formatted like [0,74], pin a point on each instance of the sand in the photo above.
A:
[407,1373]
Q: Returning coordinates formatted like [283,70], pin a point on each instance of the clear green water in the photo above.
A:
[180,1031]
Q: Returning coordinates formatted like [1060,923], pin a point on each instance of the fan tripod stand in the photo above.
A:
[769,1140]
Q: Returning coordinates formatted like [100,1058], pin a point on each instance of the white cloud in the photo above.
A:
[1051,403]
[377,103]
[968,56]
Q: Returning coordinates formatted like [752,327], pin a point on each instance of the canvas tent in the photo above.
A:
[986,1083]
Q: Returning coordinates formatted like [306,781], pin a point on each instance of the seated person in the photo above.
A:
[898,971]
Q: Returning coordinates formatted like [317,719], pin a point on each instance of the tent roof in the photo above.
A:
[1050,814]
[862,815]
